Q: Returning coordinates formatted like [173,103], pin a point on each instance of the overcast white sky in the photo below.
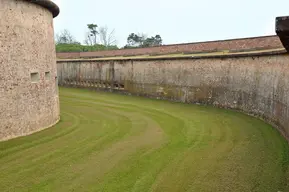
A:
[177,21]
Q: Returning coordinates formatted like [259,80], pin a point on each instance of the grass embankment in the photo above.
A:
[107,142]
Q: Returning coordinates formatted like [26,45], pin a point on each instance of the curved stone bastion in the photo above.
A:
[253,79]
[28,80]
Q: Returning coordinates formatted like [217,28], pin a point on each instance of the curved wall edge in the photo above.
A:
[28,81]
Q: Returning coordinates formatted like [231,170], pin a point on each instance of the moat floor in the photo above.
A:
[109,142]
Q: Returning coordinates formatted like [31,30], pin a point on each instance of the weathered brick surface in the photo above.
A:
[26,46]
[235,44]
[257,85]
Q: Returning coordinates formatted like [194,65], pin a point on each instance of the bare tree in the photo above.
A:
[64,37]
[106,38]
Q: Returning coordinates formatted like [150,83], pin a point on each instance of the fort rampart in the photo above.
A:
[256,83]
[244,44]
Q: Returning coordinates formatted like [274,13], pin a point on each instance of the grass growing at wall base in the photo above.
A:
[107,142]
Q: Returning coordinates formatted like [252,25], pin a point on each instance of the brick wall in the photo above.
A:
[232,44]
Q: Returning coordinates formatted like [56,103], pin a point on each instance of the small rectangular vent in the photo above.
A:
[47,75]
[34,77]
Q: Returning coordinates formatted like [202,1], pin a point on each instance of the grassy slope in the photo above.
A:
[108,142]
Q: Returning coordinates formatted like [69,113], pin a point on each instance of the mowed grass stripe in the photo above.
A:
[110,142]
[64,142]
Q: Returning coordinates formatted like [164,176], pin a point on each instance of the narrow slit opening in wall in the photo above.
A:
[120,86]
[34,77]
[47,75]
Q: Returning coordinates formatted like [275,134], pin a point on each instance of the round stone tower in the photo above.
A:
[28,74]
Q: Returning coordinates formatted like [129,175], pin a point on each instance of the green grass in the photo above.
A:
[109,142]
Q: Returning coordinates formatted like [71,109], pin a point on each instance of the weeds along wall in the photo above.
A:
[256,85]
[28,87]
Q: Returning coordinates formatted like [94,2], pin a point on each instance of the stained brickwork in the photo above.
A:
[265,42]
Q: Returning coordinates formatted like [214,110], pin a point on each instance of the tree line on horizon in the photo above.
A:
[100,38]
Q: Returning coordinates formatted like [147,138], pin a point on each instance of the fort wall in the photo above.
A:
[255,84]
[28,84]
[244,44]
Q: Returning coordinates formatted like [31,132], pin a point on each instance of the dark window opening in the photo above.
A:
[34,77]
[47,75]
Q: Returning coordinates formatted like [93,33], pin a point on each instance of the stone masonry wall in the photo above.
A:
[28,87]
[264,42]
[257,85]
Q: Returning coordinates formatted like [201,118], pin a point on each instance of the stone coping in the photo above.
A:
[51,6]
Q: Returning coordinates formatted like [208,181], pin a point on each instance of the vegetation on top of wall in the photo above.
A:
[65,42]
[140,40]
[100,38]
[77,47]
